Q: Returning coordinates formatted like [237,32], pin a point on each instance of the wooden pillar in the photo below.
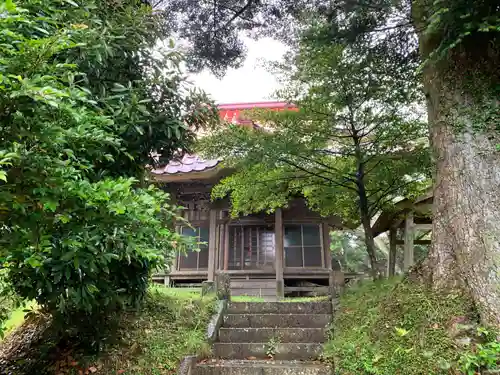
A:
[391,264]
[212,242]
[226,247]
[278,239]
[409,238]
[325,231]
[177,254]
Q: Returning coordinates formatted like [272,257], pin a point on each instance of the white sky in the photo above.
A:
[251,82]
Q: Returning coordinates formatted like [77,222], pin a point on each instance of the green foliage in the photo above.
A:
[17,316]
[8,303]
[356,137]
[214,29]
[168,327]
[457,24]
[85,102]
[100,250]
[349,249]
[355,145]
[482,356]
[400,328]
[272,346]
[148,340]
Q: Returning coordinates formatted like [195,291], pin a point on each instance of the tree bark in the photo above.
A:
[370,248]
[466,219]
[364,208]
[364,211]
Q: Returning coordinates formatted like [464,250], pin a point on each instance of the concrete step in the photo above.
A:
[263,367]
[254,284]
[276,321]
[285,335]
[258,292]
[323,307]
[282,351]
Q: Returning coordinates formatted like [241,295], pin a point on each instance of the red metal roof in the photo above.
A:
[228,112]
[233,112]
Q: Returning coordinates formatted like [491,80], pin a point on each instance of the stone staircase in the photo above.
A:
[293,332]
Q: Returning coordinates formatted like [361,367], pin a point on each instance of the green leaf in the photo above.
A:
[401,331]
[9,5]
[50,206]
[41,30]
[68,255]
[71,2]
[64,218]
[118,87]
[34,262]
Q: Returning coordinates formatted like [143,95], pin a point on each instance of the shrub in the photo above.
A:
[79,233]
[483,353]
[100,251]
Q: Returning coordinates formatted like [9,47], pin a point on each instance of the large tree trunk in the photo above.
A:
[462,109]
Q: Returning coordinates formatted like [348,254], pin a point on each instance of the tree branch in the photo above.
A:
[387,192]
[329,167]
[318,175]
[331,152]
[237,14]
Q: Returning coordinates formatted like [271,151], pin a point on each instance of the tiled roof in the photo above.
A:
[188,163]
[227,112]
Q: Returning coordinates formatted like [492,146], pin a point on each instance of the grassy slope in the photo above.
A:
[393,327]
[171,325]
[16,317]
[151,341]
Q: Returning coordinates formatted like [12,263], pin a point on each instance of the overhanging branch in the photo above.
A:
[336,183]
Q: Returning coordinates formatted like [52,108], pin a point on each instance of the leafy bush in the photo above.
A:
[481,356]
[100,252]
[84,104]
[397,327]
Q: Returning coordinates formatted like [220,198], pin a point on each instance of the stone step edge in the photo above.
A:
[281,303]
[273,314]
[289,329]
[261,363]
[264,343]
